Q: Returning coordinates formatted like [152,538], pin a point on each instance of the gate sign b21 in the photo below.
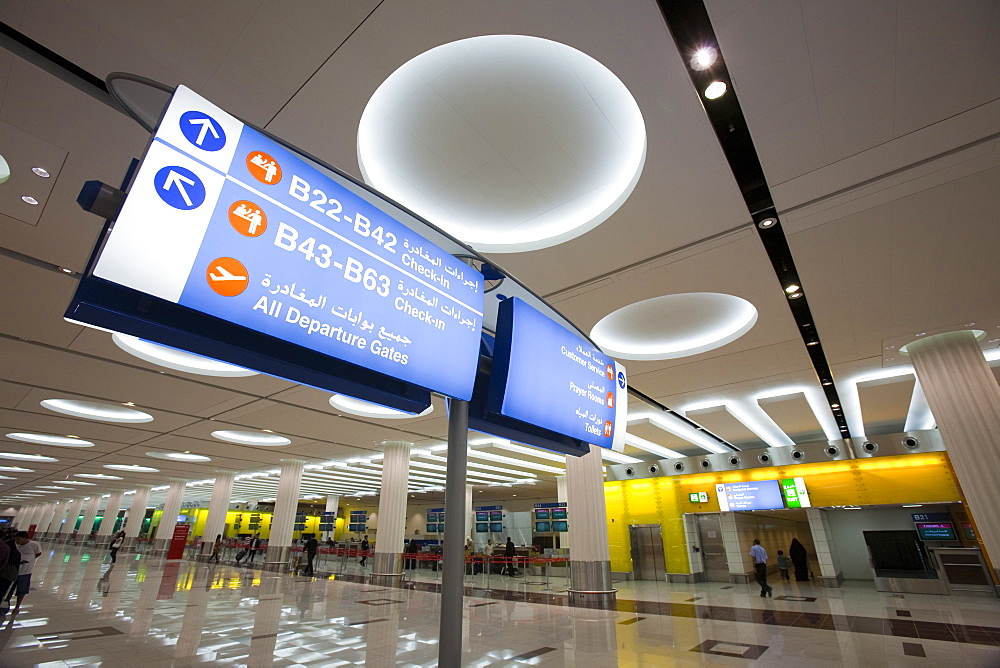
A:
[226,221]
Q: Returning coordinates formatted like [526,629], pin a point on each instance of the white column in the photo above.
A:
[168,520]
[55,519]
[964,397]
[387,558]
[89,514]
[470,514]
[72,513]
[24,517]
[111,509]
[561,497]
[332,505]
[135,514]
[830,574]
[285,506]
[217,509]
[589,553]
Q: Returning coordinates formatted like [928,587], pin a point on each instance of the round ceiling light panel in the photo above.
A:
[179,456]
[45,439]
[93,410]
[674,326]
[99,476]
[367,409]
[16,469]
[251,438]
[135,468]
[72,482]
[508,142]
[26,458]
[177,360]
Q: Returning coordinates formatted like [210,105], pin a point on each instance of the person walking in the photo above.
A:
[508,555]
[799,556]
[759,555]
[364,551]
[783,565]
[116,544]
[30,551]
[311,546]
[253,548]
[216,548]
[488,553]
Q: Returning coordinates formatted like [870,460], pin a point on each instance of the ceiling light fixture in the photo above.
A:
[179,456]
[16,469]
[95,410]
[704,58]
[178,360]
[41,171]
[135,468]
[715,90]
[795,295]
[27,458]
[28,199]
[101,476]
[250,438]
[792,288]
[767,222]
[812,343]
[362,408]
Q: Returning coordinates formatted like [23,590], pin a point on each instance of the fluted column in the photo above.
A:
[964,397]
[332,505]
[72,513]
[561,497]
[590,556]
[111,509]
[470,514]
[168,520]
[24,517]
[285,506]
[54,520]
[387,559]
[136,512]
[89,514]
[217,509]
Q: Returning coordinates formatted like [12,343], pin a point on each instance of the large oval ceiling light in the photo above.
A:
[27,458]
[98,476]
[508,142]
[45,439]
[178,360]
[179,456]
[93,410]
[135,468]
[16,469]
[73,482]
[674,326]
[4,170]
[250,438]
[363,408]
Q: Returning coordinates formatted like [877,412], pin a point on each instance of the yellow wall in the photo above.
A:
[924,478]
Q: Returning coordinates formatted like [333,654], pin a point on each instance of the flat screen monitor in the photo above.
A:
[432,528]
[936,531]
[560,525]
[182,518]
[558,513]
[754,495]
[542,527]
[496,527]
[496,516]
[482,516]
[432,517]
[482,527]
[542,514]
[352,528]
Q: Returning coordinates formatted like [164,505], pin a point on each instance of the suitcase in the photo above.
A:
[241,555]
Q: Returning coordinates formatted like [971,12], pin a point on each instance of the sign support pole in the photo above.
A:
[453,577]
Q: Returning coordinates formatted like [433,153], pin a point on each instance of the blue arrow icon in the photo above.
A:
[621,380]
[202,130]
[179,187]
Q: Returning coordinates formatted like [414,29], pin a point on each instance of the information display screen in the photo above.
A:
[482,516]
[496,515]
[224,220]
[560,526]
[936,531]
[542,514]
[548,376]
[558,513]
[432,528]
[759,495]
[496,527]
[542,527]
[432,517]
[482,527]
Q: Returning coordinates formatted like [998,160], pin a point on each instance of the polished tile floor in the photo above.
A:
[147,612]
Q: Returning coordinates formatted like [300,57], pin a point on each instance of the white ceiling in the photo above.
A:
[877,125]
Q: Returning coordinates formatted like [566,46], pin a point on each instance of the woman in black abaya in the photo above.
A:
[797,553]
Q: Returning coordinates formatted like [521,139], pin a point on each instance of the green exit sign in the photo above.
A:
[698,497]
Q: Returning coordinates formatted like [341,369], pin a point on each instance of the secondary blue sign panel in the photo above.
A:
[546,375]
[760,495]
[226,221]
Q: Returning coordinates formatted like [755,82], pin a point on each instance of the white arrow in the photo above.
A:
[175,179]
[206,126]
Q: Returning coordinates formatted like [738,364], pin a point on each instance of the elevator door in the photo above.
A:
[647,552]
[713,550]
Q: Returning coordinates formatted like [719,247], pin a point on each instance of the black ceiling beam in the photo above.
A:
[691,29]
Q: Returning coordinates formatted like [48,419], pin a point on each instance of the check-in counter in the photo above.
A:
[965,571]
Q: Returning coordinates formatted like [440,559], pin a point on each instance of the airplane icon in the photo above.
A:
[225,275]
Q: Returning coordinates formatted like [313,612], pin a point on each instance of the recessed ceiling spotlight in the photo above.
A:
[767,222]
[179,456]
[889,359]
[795,295]
[792,288]
[834,405]
[368,409]
[890,347]
[94,410]
[27,458]
[45,439]
[66,270]
[28,199]
[704,58]
[715,90]
[921,333]
[101,476]
[250,438]
[968,324]
[812,343]
[177,360]
[40,171]
[135,468]
[827,382]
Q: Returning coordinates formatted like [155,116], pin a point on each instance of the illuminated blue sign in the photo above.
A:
[760,495]
[228,222]
[545,375]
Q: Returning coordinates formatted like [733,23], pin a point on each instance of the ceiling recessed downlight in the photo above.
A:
[99,476]
[135,468]
[250,438]
[27,458]
[179,456]
[45,439]
[93,410]
[28,199]
[533,142]
[367,409]
[704,58]
[41,171]
[178,360]
[674,326]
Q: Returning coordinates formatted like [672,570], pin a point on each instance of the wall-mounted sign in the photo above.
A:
[698,497]
[931,517]
[936,531]
[227,222]
[759,495]
[546,375]
[795,493]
